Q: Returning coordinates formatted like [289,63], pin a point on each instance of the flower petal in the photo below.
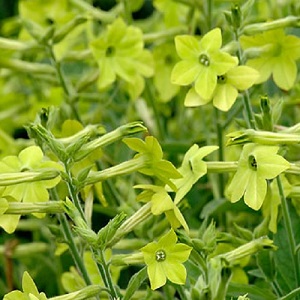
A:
[180,253]
[264,66]
[185,72]
[206,83]
[168,240]
[285,73]
[107,73]
[176,273]
[211,40]
[193,99]
[31,157]
[242,77]
[156,274]
[224,96]
[238,184]
[161,202]
[9,222]
[256,191]
[187,47]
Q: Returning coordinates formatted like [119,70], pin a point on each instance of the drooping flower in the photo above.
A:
[278,57]
[161,202]
[119,51]
[192,169]
[257,164]
[202,61]
[30,159]
[151,150]
[164,260]
[228,86]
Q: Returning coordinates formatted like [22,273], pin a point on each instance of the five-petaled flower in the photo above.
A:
[278,57]
[164,259]
[257,164]
[202,62]
[119,51]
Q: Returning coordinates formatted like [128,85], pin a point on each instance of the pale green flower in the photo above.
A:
[278,57]
[119,51]
[30,291]
[257,164]
[29,159]
[202,61]
[164,260]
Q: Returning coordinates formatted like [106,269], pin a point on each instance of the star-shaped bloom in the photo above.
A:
[119,51]
[192,169]
[278,57]
[228,86]
[151,150]
[29,159]
[202,61]
[164,260]
[257,164]
[161,202]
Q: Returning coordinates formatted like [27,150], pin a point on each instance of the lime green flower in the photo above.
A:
[153,154]
[29,159]
[161,202]
[192,169]
[164,59]
[30,291]
[119,51]
[257,164]
[278,57]
[270,208]
[164,259]
[228,86]
[174,12]
[202,61]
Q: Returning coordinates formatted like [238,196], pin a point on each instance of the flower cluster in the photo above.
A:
[214,74]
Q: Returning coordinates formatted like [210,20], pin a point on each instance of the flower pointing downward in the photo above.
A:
[164,259]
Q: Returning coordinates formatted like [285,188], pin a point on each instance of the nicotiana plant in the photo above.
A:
[149,150]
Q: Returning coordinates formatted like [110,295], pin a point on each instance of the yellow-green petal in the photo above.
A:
[206,83]
[255,192]
[187,47]
[285,73]
[156,275]
[242,77]
[176,273]
[193,99]
[224,96]
[212,40]
[185,72]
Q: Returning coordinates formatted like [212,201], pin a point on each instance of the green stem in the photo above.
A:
[291,295]
[73,249]
[106,276]
[289,229]
[71,242]
[68,90]
[152,101]
[246,98]
[221,148]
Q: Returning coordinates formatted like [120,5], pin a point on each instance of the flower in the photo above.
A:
[257,164]
[119,51]
[152,152]
[30,291]
[236,79]
[164,259]
[202,61]
[29,159]
[192,168]
[278,57]
[161,202]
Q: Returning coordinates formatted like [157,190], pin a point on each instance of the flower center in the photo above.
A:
[204,60]
[110,51]
[222,79]
[168,60]
[252,162]
[160,255]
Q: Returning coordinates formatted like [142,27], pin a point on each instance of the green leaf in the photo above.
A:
[135,282]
